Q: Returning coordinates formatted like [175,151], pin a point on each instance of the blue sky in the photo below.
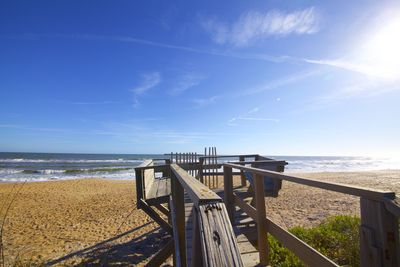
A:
[269,77]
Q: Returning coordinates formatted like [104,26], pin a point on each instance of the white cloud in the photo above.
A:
[253,110]
[185,82]
[202,102]
[149,80]
[254,25]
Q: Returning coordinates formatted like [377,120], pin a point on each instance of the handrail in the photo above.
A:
[217,245]
[337,187]
[197,191]
[260,161]
[305,252]
[380,212]
[161,167]
[230,156]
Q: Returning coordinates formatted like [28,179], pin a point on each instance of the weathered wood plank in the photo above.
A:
[232,156]
[242,177]
[155,216]
[219,246]
[342,188]
[280,162]
[178,218]
[140,185]
[148,178]
[251,211]
[198,192]
[228,193]
[379,235]
[189,221]
[160,188]
[261,214]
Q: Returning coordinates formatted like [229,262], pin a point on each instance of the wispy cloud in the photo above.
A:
[149,80]
[234,120]
[283,81]
[202,102]
[128,39]
[254,25]
[95,103]
[337,63]
[247,117]
[185,82]
[253,110]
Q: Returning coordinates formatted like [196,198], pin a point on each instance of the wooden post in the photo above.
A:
[379,235]
[228,193]
[197,257]
[178,202]
[261,215]
[242,177]
[167,172]
[201,162]
[139,186]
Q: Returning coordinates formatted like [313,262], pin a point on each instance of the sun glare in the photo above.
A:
[380,51]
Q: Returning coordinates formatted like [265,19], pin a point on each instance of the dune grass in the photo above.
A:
[337,238]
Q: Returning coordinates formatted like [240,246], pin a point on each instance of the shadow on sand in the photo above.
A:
[111,252]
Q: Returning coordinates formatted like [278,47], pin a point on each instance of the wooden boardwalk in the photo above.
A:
[229,226]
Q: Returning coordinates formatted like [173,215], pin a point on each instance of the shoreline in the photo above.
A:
[78,220]
[294,173]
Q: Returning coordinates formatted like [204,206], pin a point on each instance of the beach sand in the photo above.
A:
[95,221]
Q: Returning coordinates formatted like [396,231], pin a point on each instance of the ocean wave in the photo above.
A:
[9,171]
[71,160]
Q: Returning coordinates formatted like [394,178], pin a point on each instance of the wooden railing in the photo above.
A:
[379,230]
[213,239]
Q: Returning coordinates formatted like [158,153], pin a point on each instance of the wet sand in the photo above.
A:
[94,221]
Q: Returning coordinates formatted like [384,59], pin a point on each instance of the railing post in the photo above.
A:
[178,203]
[201,162]
[228,193]
[379,235]
[261,215]
[167,172]
[197,257]
[139,186]
[242,177]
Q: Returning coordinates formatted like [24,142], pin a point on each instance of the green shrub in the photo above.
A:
[337,238]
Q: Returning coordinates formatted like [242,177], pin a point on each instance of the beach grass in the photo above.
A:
[337,237]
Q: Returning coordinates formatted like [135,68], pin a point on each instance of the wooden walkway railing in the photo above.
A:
[379,230]
[214,241]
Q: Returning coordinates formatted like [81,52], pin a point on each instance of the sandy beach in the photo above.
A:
[95,221]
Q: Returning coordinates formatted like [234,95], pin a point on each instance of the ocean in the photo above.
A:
[19,167]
